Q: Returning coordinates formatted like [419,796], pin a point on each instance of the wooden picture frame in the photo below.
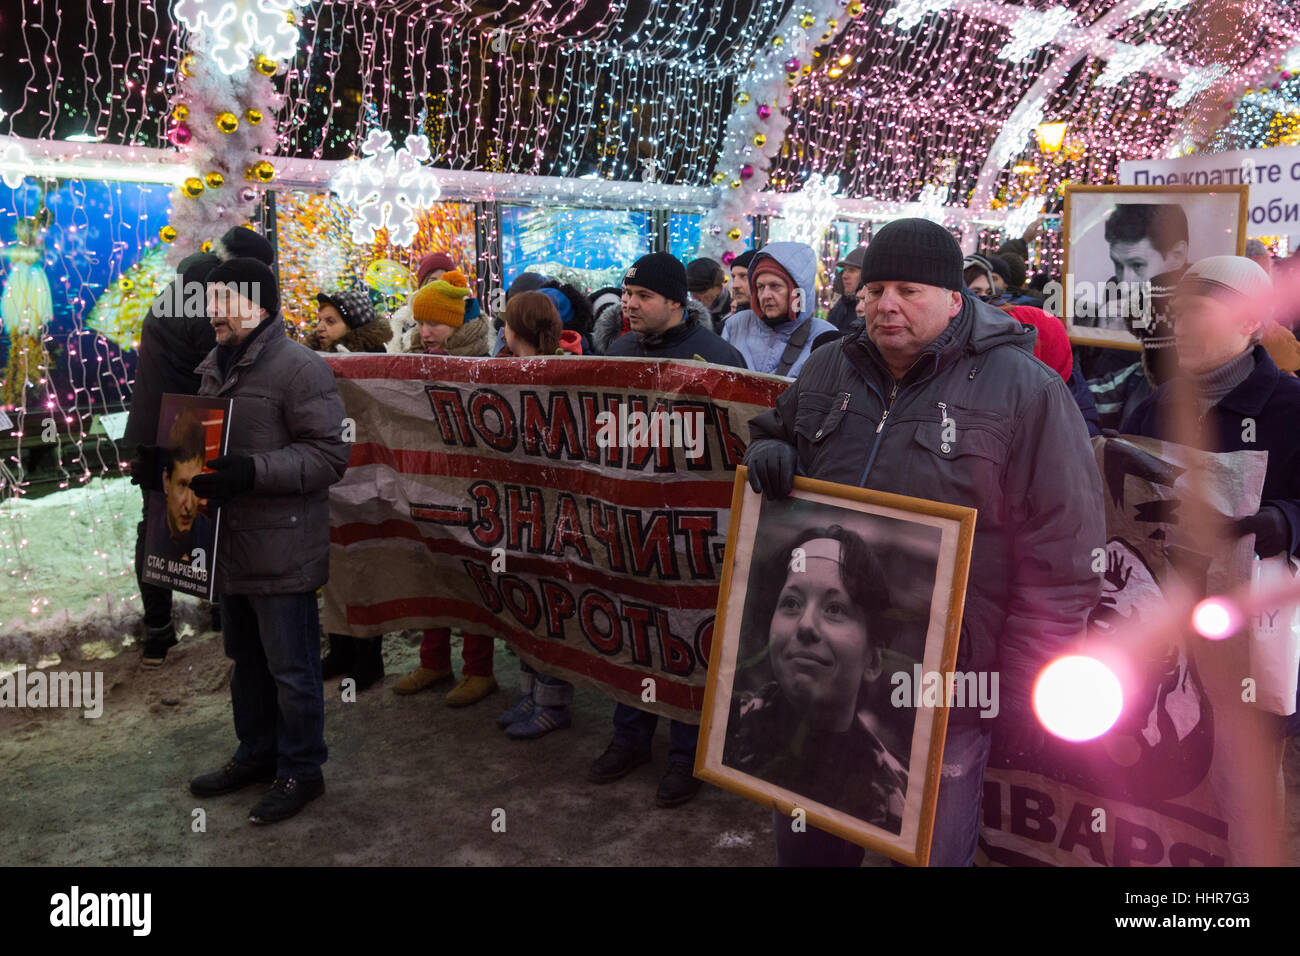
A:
[926,547]
[1086,209]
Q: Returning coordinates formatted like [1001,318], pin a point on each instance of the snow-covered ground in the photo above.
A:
[67,579]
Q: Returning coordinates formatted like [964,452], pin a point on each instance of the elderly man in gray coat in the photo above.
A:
[285,451]
[940,397]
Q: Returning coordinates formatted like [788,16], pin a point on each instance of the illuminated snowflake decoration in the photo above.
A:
[1125,60]
[908,13]
[235,31]
[1197,81]
[809,212]
[930,204]
[387,188]
[1033,30]
[1022,217]
[13,160]
[1019,125]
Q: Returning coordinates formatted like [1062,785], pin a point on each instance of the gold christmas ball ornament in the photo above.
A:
[181,113]
[206,246]
[735,184]
[253,116]
[778,41]
[214,180]
[742,98]
[854,9]
[192,187]
[260,172]
[167,234]
[265,65]
[805,70]
[125,284]
[733,234]
[290,19]
[719,178]
[227,122]
[187,64]
[807,20]
[760,140]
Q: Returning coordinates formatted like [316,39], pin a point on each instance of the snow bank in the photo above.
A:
[67,576]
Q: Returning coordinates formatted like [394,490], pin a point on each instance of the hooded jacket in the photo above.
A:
[763,345]
[286,415]
[610,324]
[692,338]
[1021,457]
[371,337]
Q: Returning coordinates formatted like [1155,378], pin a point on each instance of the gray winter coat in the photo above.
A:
[1021,457]
[288,416]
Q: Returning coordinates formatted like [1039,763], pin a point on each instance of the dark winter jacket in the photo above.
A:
[692,338]
[371,337]
[843,313]
[1022,458]
[288,416]
[1083,398]
[610,324]
[763,345]
[1271,400]
[171,345]
[720,311]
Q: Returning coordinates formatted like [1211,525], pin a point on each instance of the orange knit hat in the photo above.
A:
[442,301]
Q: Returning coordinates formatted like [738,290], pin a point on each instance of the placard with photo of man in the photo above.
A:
[182,529]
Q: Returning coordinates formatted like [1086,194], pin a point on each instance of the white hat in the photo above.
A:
[1233,275]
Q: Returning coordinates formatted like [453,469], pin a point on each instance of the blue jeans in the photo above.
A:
[276,687]
[635,729]
[956,818]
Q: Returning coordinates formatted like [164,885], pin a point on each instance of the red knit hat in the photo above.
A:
[434,260]
[768,265]
[1052,347]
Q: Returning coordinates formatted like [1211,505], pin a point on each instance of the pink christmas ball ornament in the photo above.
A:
[180,135]
[764,111]
[747,171]
[792,64]
[728,258]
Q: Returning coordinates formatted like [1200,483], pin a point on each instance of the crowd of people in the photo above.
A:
[916,329]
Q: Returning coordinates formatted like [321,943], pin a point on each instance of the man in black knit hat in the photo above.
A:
[665,324]
[940,397]
[285,450]
[665,321]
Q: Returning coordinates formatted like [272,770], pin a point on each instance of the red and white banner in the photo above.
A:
[575,507]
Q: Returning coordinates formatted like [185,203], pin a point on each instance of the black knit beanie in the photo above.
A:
[659,272]
[252,279]
[240,242]
[914,250]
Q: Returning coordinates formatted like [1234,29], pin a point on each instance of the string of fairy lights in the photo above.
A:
[897,101]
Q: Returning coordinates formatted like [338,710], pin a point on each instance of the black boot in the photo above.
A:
[341,657]
[157,641]
[369,666]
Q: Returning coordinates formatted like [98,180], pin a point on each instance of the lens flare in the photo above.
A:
[1077,698]
[1216,618]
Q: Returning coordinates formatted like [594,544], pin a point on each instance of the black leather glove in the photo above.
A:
[231,475]
[1270,527]
[771,468]
[144,467]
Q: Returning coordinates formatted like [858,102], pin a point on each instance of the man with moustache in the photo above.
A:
[285,450]
[939,397]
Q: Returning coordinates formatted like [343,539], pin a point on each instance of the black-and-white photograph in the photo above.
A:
[1126,247]
[830,601]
